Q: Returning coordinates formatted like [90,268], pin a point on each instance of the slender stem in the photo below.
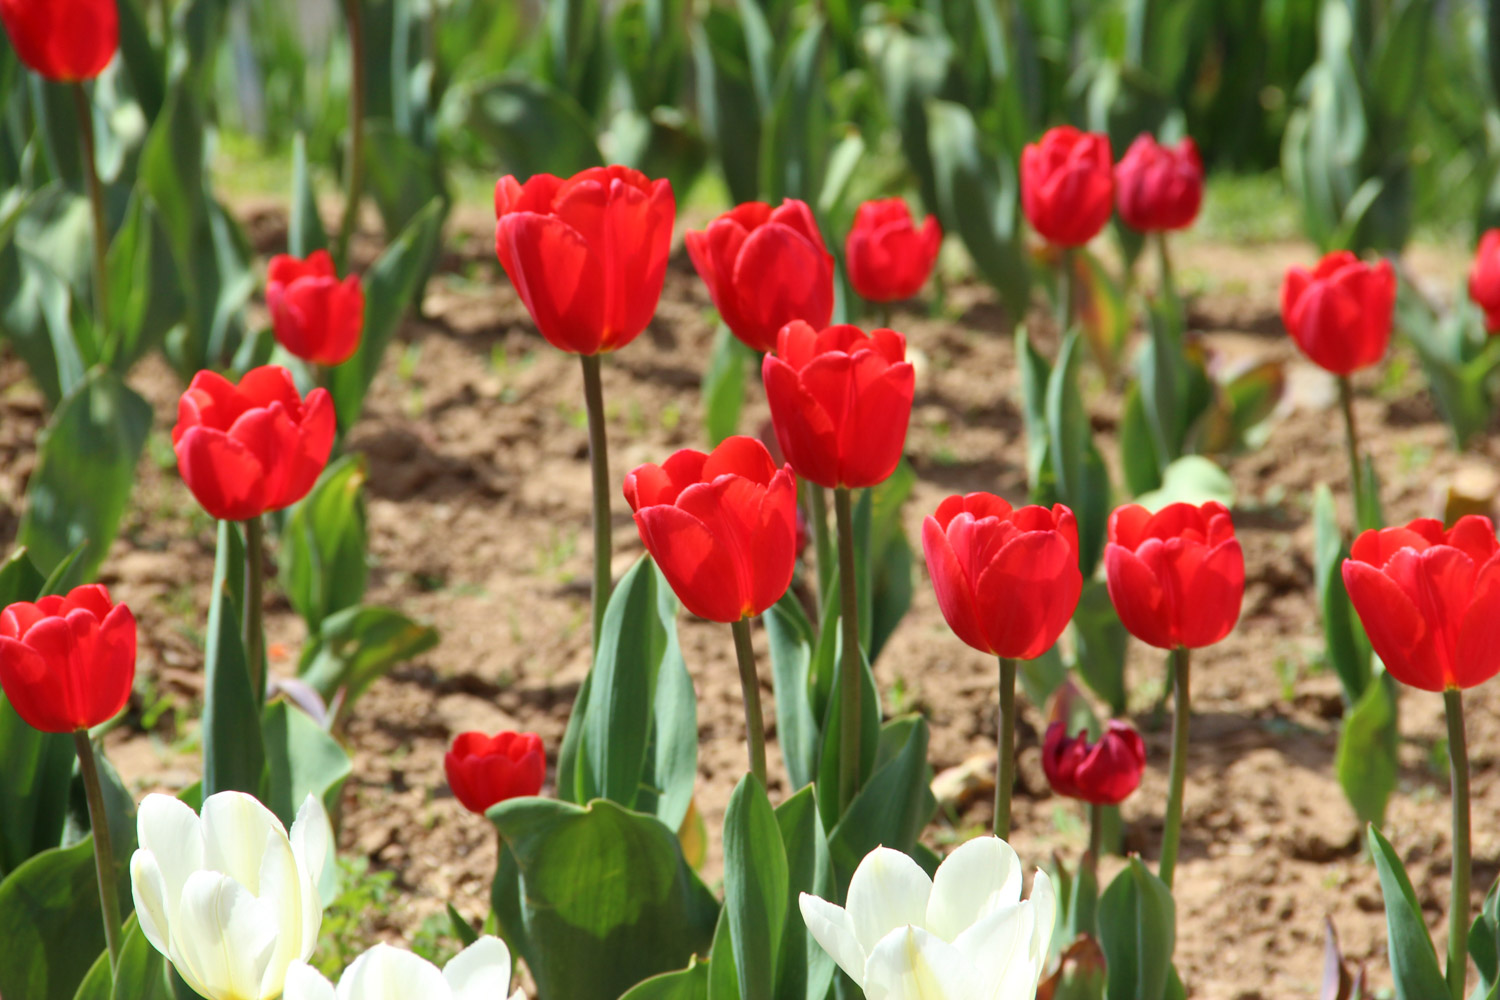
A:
[104,858]
[755,726]
[822,542]
[1351,445]
[1065,293]
[1181,713]
[593,398]
[1168,279]
[1096,836]
[96,203]
[254,611]
[1005,770]
[885,315]
[852,670]
[1458,909]
[356,172]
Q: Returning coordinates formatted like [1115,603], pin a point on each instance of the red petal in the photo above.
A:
[1138,597]
[558,278]
[955,595]
[223,474]
[698,568]
[1394,626]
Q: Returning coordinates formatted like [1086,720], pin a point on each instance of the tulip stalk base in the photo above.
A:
[356,172]
[96,205]
[593,397]
[1096,836]
[852,669]
[822,541]
[104,858]
[1181,717]
[1458,910]
[1005,770]
[755,726]
[1065,292]
[1351,446]
[1168,278]
[254,611]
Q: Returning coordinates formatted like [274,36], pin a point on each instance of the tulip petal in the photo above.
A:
[977,879]
[152,910]
[28,682]
[999,948]
[831,927]
[888,890]
[386,973]
[780,276]
[557,276]
[309,454]
[111,671]
[1394,626]
[237,832]
[303,982]
[1138,597]
[911,964]
[694,562]
[224,475]
[282,892]
[1044,899]
[1478,655]
[874,433]
[1211,596]
[806,432]
[226,937]
[170,832]
[955,594]
[479,972]
[1027,594]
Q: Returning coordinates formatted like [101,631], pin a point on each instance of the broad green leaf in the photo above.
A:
[33,787]
[1137,930]
[806,970]
[1082,479]
[359,645]
[1138,457]
[723,977]
[684,984]
[1190,479]
[461,927]
[1484,945]
[304,227]
[1366,762]
[527,127]
[1101,643]
[1414,961]
[791,639]
[233,752]
[142,974]
[794,136]
[756,888]
[50,927]
[404,178]
[1082,904]
[145,287]
[1041,478]
[1347,650]
[119,813]
[674,724]
[827,783]
[322,554]
[301,760]
[891,809]
[724,386]
[726,68]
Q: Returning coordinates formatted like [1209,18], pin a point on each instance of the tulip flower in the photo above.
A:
[965,934]
[64,40]
[229,898]
[479,972]
[1103,773]
[888,257]
[1158,187]
[1340,312]
[1484,280]
[254,447]
[483,770]
[67,663]
[587,255]
[764,268]
[314,315]
[1067,185]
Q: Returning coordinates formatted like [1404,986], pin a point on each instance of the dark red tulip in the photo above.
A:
[251,448]
[1430,600]
[67,663]
[722,526]
[483,770]
[587,255]
[65,40]
[1340,313]
[1158,187]
[764,268]
[1067,185]
[314,315]
[1007,580]
[1103,773]
[888,257]
[1176,577]
[1484,279]
[840,400]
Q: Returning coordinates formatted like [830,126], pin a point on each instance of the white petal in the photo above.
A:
[982,876]
[998,944]
[281,891]
[303,982]
[236,829]
[149,889]
[170,830]
[386,973]
[1044,898]
[481,971]
[831,927]
[312,844]
[888,890]
[226,937]
[518,994]
[911,964]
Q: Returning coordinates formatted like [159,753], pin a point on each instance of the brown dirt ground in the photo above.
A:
[478,502]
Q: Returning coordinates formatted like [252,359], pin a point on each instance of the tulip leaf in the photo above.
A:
[1484,945]
[359,645]
[1414,961]
[50,927]
[1101,642]
[892,808]
[756,888]
[119,812]
[1041,478]
[1366,761]
[608,898]
[142,973]
[527,127]
[233,752]
[724,386]
[792,640]
[883,558]
[1082,479]
[146,298]
[794,131]
[1138,458]
[723,976]
[1137,930]
[668,789]
[1190,479]
[1083,904]
[305,231]
[323,542]
[33,788]
[827,784]
[684,984]
[301,760]
[806,969]
[1348,651]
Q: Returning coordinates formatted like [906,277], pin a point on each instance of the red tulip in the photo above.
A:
[254,447]
[316,317]
[1484,279]
[67,663]
[65,40]
[1176,577]
[1340,313]
[840,400]
[1067,185]
[1430,600]
[483,770]
[1158,187]
[587,255]
[888,257]
[764,268]
[722,526]
[1103,773]
[1007,580]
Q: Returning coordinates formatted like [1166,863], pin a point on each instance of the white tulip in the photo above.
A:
[966,935]
[229,898]
[479,972]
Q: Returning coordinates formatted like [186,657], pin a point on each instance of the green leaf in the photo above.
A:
[1101,645]
[233,752]
[828,759]
[1082,479]
[724,386]
[145,288]
[792,640]
[756,888]
[806,969]
[1137,930]
[50,927]
[404,177]
[685,984]
[723,977]
[1484,945]
[142,973]
[1348,651]
[1138,457]
[33,787]
[726,67]
[1366,762]
[794,136]
[528,127]
[1190,479]
[301,760]
[1035,374]
[1083,904]
[608,898]
[892,807]
[322,554]
[305,231]
[358,646]
[461,928]
[1414,961]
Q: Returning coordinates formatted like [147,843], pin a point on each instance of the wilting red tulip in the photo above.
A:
[1159,187]
[314,315]
[66,40]
[840,400]
[1176,577]
[1007,580]
[483,770]
[1103,773]
[722,526]
[1340,313]
[764,268]
[1430,600]
[1484,279]
[1067,185]
[254,447]
[587,255]
[67,663]
[887,256]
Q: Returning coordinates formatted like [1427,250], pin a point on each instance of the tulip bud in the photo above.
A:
[67,663]
[479,972]
[1484,279]
[887,256]
[1067,185]
[64,40]
[1157,187]
[1340,313]
[483,770]
[1103,773]
[1176,577]
[315,316]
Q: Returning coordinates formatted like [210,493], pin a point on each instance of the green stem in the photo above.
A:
[1065,293]
[1458,910]
[1351,447]
[851,670]
[356,171]
[885,315]
[254,611]
[1181,713]
[593,397]
[104,859]
[755,727]
[1096,836]
[96,204]
[1168,279]
[1005,769]
[822,542]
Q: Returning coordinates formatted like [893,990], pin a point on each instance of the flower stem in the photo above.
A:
[852,670]
[254,611]
[755,727]
[1181,712]
[1005,769]
[1351,446]
[885,315]
[593,397]
[822,541]
[356,172]
[96,204]
[1458,910]
[1168,278]
[1065,293]
[1096,836]
[104,859]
